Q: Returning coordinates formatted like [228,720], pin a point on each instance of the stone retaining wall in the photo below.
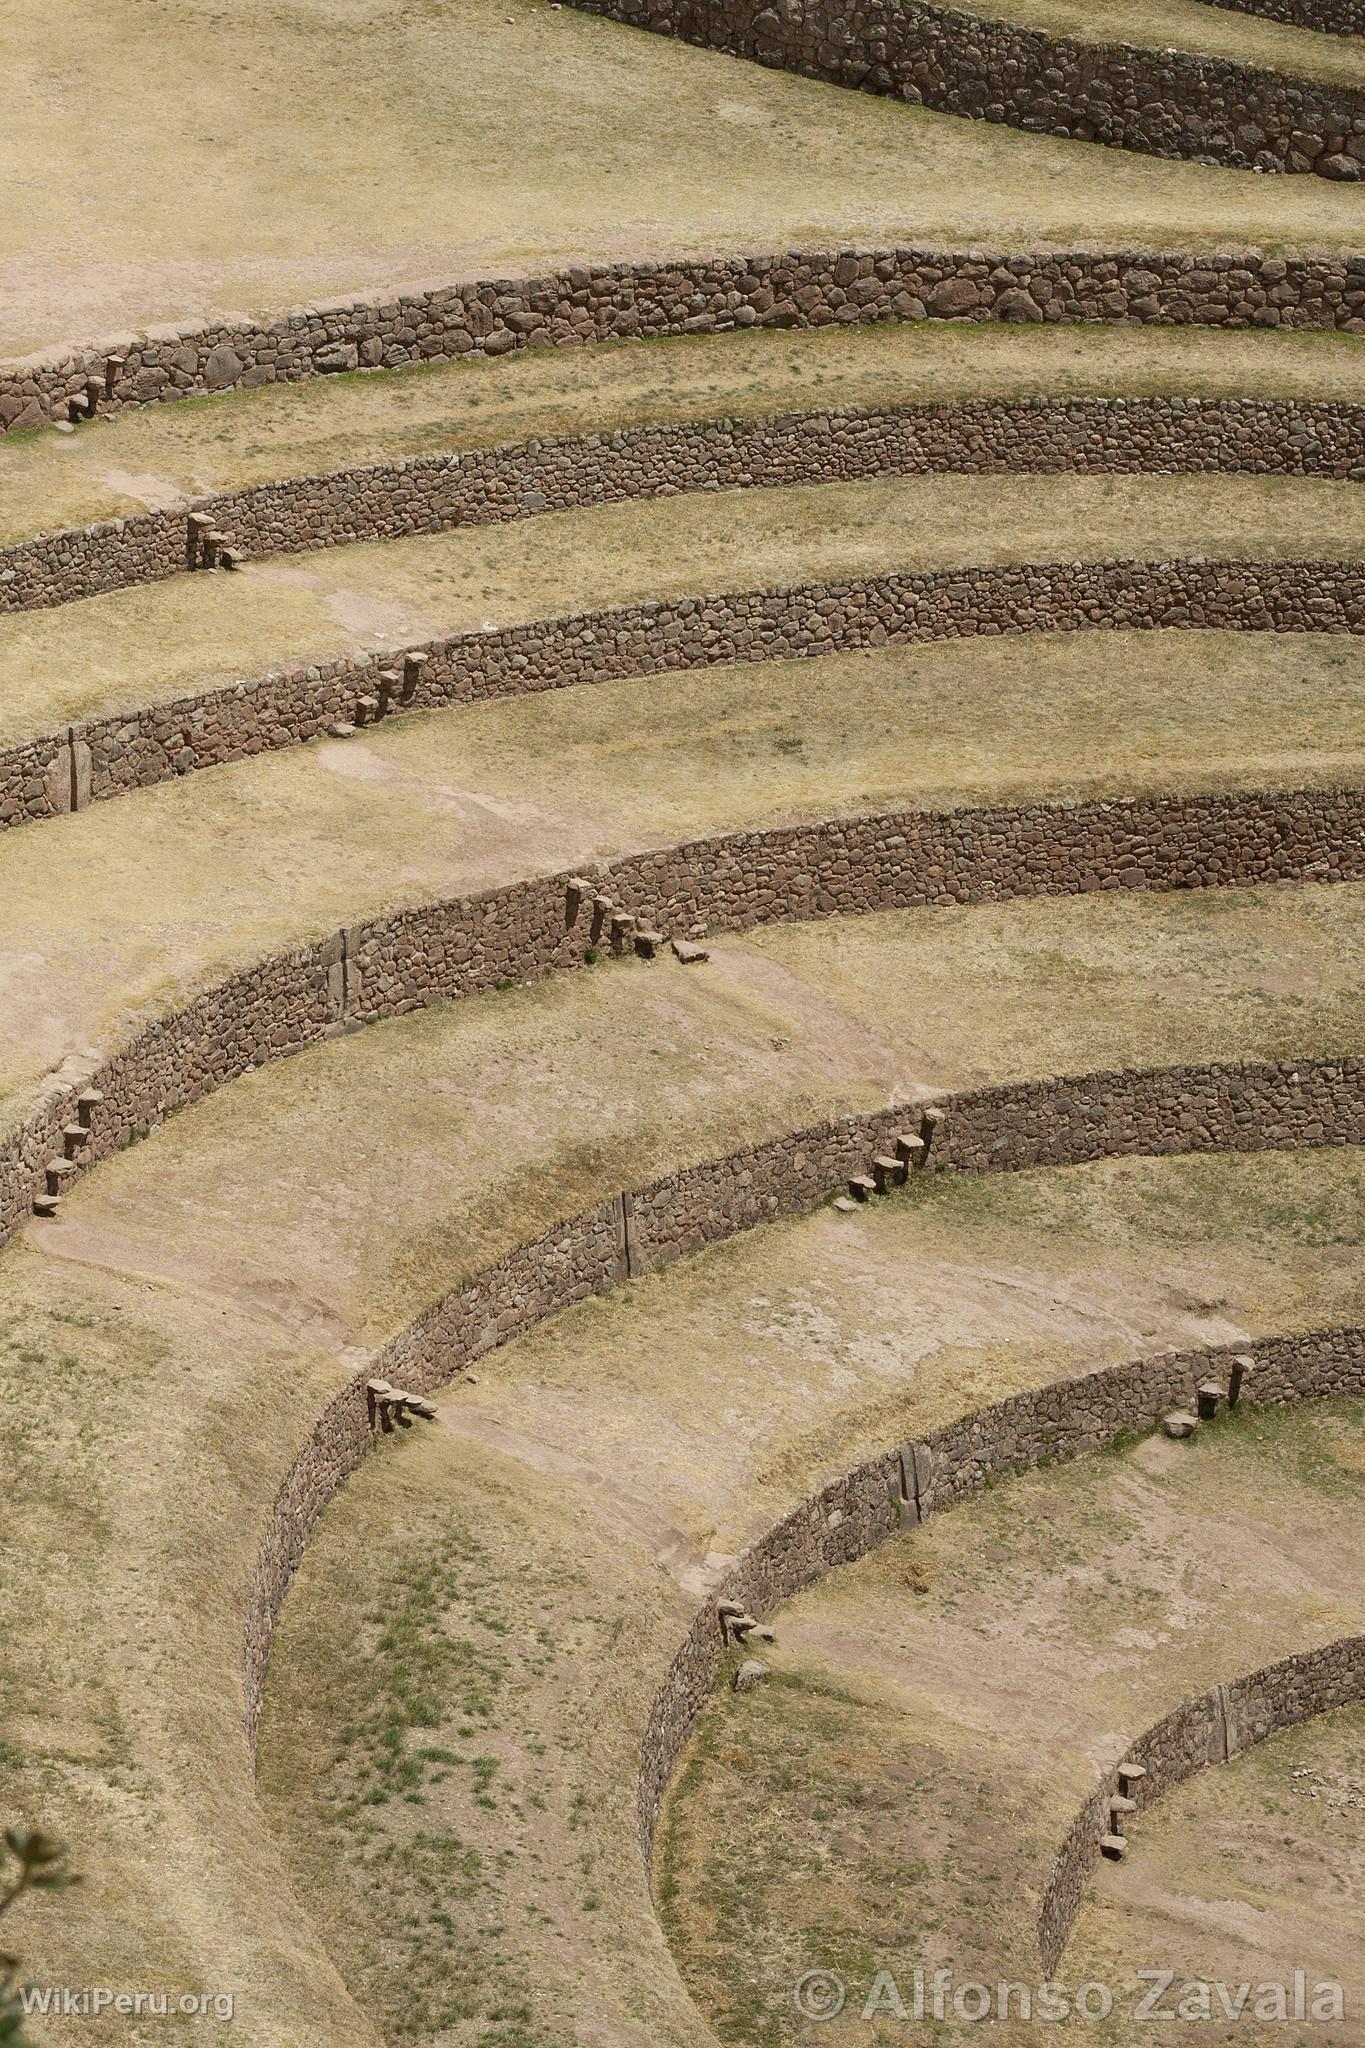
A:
[1330,17]
[715,1199]
[1163,102]
[131,750]
[626,301]
[1208,1729]
[901,860]
[432,493]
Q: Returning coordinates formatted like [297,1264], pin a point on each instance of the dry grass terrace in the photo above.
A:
[465,1756]
[149,458]
[155,642]
[173,166]
[129,908]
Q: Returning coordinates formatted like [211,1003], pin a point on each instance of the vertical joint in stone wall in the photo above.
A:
[78,766]
[1222,1738]
[916,1474]
[626,1264]
[66,778]
[337,961]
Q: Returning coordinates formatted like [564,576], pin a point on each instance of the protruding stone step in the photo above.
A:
[1119,1807]
[750,1674]
[114,366]
[622,930]
[366,710]
[1131,1775]
[1210,1399]
[94,392]
[197,528]
[861,1185]
[690,954]
[1179,1423]
[887,1172]
[1114,1847]
[57,1171]
[416,1404]
[232,558]
[413,664]
[909,1148]
[932,1134]
[396,1404]
[75,1138]
[1243,1366]
[647,943]
[46,1203]
[342,729]
[87,1102]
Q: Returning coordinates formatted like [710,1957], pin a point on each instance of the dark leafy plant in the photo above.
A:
[29,1862]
